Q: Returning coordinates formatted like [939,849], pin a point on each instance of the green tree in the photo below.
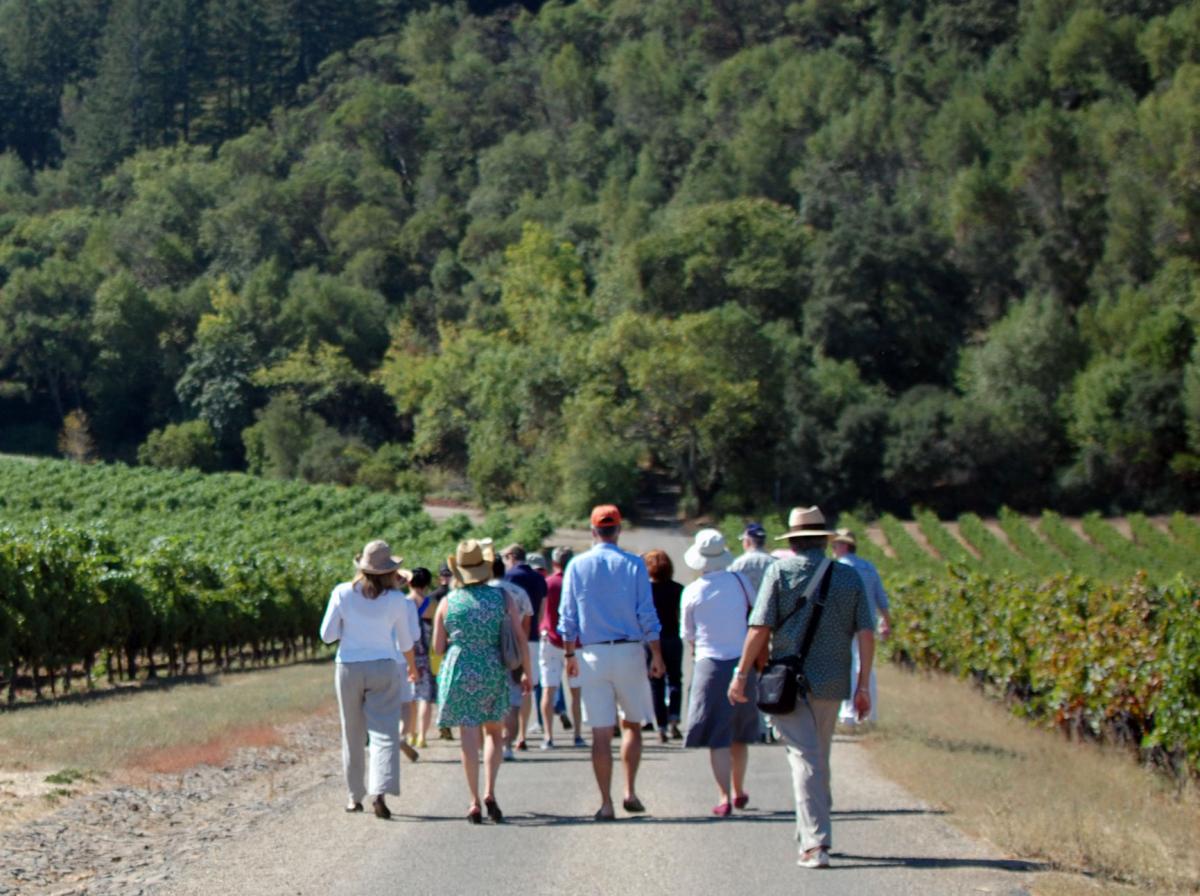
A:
[217,384]
[181,446]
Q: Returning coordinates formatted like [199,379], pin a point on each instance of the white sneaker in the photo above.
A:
[818,858]
[534,728]
[547,744]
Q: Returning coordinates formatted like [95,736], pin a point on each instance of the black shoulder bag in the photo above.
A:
[782,681]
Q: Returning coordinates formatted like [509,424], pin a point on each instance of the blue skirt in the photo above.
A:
[713,721]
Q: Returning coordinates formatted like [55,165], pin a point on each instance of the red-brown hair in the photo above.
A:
[659,565]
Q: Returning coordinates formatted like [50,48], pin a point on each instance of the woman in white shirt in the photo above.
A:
[369,617]
[712,618]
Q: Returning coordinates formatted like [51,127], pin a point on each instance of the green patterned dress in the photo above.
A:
[472,682]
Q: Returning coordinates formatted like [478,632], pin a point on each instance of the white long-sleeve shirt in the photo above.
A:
[713,611]
[379,629]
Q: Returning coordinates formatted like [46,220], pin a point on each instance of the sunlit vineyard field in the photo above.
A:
[112,572]
[1091,625]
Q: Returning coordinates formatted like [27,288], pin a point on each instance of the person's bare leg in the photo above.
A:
[631,755]
[602,765]
[424,714]
[577,709]
[548,712]
[722,768]
[493,747]
[468,740]
[523,721]
[510,726]
[740,754]
[407,719]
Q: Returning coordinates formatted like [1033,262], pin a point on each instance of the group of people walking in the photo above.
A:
[613,626]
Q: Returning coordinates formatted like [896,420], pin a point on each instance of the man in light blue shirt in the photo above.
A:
[607,605]
[755,561]
[845,549]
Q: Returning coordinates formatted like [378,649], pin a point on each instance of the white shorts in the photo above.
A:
[612,679]
[535,675]
[552,663]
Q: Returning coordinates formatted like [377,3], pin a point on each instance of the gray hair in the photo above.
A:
[561,556]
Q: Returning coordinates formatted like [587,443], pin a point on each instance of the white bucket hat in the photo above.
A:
[708,552]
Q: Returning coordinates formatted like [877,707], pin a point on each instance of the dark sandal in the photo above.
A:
[601,815]
[354,807]
[381,809]
[475,816]
[633,804]
[493,810]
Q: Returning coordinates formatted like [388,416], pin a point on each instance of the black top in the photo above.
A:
[535,586]
[667,596]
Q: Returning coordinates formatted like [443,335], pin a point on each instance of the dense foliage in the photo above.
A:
[71,599]
[1113,661]
[939,253]
[128,569]
[1072,624]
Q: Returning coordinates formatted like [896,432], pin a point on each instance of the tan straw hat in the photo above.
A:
[845,536]
[804,522]
[376,559]
[472,562]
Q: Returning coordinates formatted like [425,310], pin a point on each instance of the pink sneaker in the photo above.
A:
[722,810]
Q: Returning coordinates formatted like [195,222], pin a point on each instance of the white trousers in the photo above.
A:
[370,698]
[847,715]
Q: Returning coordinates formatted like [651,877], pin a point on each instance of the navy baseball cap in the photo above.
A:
[754,530]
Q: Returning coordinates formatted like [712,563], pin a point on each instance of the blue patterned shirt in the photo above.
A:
[847,611]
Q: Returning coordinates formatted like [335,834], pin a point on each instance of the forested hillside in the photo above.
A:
[867,253]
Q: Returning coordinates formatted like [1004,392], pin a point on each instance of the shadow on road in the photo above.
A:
[933,863]
[868,814]
[540,819]
[544,820]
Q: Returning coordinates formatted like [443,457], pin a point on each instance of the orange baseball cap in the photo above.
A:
[605,515]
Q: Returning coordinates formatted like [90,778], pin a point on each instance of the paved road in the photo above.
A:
[885,841]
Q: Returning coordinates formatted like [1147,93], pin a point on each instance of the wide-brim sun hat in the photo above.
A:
[472,562]
[708,552]
[805,522]
[376,559]
[845,536]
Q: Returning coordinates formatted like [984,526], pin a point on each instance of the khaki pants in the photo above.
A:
[370,698]
[808,734]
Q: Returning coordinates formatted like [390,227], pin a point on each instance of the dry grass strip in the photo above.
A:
[1109,826]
